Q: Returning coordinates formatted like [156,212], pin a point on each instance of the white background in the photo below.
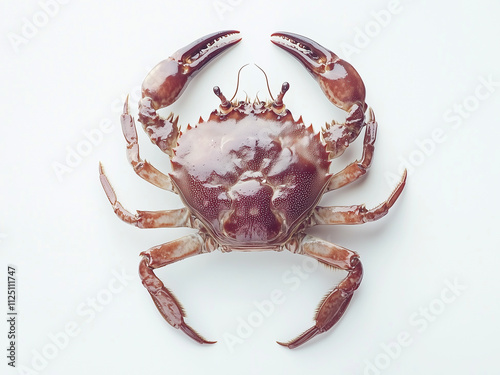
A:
[421,62]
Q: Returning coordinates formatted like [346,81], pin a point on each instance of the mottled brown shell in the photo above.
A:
[251,176]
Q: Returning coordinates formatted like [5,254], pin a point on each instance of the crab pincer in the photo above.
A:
[166,82]
[339,81]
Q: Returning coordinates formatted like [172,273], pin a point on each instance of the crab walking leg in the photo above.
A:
[167,81]
[357,169]
[356,214]
[333,306]
[143,168]
[339,81]
[160,256]
[145,219]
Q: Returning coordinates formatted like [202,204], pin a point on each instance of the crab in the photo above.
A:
[251,176]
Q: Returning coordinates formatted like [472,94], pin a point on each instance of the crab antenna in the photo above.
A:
[237,83]
[267,81]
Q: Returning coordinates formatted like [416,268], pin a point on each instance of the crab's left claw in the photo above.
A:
[167,81]
[339,81]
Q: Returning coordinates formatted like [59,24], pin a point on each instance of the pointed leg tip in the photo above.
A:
[125,106]
[302,338]
[203,341]
[371,115]
[402,182]
[194,335]
[283,344]
[403,178]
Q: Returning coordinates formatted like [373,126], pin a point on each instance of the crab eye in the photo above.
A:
[225,106]
[278,106]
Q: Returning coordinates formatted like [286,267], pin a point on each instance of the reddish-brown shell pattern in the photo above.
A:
[251,176]
[251,180]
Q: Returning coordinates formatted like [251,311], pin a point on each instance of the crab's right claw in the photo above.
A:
[339,81]
[167,80]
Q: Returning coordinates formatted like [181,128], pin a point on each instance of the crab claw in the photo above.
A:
[167,80]
[338,79]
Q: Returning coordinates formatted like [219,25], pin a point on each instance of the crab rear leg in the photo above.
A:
[339,81]
[333,306]
[167,80]
[160,256]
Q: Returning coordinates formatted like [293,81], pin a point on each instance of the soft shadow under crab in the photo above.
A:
[251,176]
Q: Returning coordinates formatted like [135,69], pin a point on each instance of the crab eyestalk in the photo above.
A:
[278,106]
[225,105]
